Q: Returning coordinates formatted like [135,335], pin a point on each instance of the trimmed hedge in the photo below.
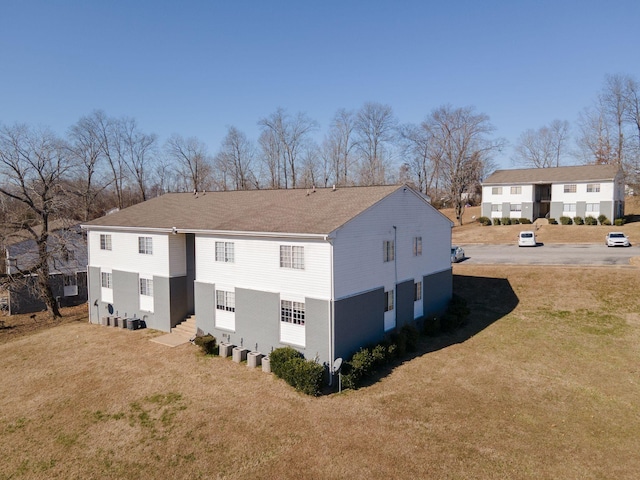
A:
[505,221]
[525,221]
[602,219]
[496,221]
[590,220]
[566,220]
[552,221]
[618,222]
[485,221]
[303,375]
[578,220]
[207,343]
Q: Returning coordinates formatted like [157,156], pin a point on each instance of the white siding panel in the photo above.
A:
[257,266]
[177,255]
[106,294]
[292,334]
[358,251]
[605,194]
[226,320]
[124,253]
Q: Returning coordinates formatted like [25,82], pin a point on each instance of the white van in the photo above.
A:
[527,238]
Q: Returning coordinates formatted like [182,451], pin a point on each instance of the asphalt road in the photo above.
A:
[551,254]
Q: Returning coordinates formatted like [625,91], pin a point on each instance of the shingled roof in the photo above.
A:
[294,211]
[582,173]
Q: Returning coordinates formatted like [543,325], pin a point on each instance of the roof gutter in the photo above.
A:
[231,233]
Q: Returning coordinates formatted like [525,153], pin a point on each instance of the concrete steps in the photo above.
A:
[187,328]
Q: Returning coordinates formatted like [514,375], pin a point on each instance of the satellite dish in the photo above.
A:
[110,309]
[337,364]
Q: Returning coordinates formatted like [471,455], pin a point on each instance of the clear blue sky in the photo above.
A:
[197,67]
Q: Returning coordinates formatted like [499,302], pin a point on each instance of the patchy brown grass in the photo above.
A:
[542,383]
[14,326]
[472,232]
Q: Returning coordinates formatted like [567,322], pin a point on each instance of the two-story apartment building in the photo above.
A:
[578,191]
[323,270]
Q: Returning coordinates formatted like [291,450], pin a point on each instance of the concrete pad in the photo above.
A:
[171,339]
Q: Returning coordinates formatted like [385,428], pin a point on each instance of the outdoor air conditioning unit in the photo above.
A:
[240,354]
[254,359]
[226,349]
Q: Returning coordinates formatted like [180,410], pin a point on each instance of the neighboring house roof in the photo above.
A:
[582,173]
[295,211]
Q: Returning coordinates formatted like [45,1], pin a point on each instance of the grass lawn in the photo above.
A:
[544,382]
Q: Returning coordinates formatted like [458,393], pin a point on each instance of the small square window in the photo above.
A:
[388,300]
[417,246]
[516,190]
[388,251]
[145,245]
[146,287]
[496,190]
[570,188]
[417,291]
[105,242]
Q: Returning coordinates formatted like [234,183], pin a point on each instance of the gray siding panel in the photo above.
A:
[556,210]
[506,209]
[606,208]
[438,290]
[161,316]
[581,209]
[359,321]
[204,301]
[317,317]
[257,320]
[404,303]
[486,210]
[527,210]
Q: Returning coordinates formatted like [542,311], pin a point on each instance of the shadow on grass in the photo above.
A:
[488,300]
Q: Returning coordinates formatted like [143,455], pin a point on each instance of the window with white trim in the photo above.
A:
[515,207]
[105,241]
[225,252]
[593,207]
[593,187]
[570,188]
[225,301]
[496,207]
[516,190]
[388,301]
[146,287]
[417,291]
[292,256]
[292,312]
[569,207]
[417,246]
[496,190]
[106,280]
[70,285]
[388,251]
[145,245]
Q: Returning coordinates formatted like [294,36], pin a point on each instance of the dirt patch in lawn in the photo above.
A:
[542,383]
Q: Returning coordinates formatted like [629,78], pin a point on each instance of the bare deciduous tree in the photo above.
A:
[138,151]
[461,146]
[422,167]
[374,127]
[235,158]
[338,148]
[543,148]
[191,160]
[291,134]
[33,165]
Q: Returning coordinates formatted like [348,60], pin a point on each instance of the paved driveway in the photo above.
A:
[550,254]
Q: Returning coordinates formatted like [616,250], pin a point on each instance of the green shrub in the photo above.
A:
[207,344]
[606,222]
[496,221]
[565,220]
[618,222]
[505,221]
[602,219]
[552,221]
[279,358]
[578,220]
[590,220]
[515,221]
[485,221]
[525,221]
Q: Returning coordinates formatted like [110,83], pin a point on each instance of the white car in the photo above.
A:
[527,238]
[457,254]
[617,239]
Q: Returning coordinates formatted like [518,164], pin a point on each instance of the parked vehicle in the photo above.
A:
[617,239]
[457,254]
[527,238]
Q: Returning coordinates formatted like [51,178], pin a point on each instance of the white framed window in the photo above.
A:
[515,207]
[388,250]
[146,287]
[388,301]
[145,245]
[593,187]
[105,241]
[292,256]
[225,252]
[225,300]
[106,280]
[593,207]
[70,285]
[569,207]
[417,291]
[496,207]
[496,190]
[292,312]
[516,190]
[570,188]
[417,246]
